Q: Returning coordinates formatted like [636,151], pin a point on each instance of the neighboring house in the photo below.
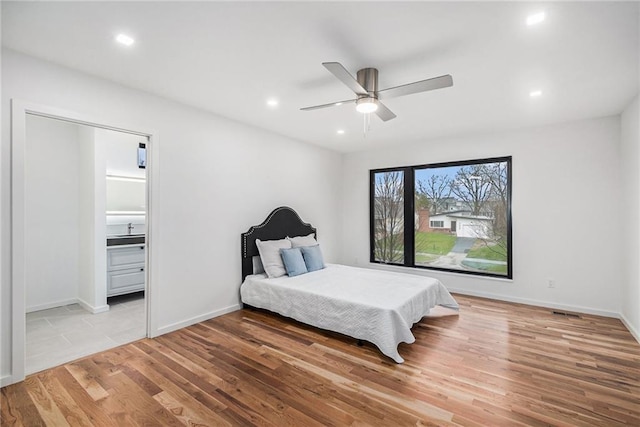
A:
[460,223]
[451,204]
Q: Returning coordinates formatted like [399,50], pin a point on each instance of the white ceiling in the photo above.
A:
[229,57]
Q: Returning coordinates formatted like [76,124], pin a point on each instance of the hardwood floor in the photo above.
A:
[496,364]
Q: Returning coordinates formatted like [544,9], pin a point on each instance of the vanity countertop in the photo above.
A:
[125,239]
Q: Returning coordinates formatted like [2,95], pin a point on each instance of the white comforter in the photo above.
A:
[372,305]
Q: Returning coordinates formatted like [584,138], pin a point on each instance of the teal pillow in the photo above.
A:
[312,257]
[293,261]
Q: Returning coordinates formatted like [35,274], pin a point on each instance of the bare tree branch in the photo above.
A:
[471,186]
[435,189]
[389,217]
[496,174]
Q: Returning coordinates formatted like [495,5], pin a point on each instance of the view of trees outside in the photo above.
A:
[460,219]
[389,217]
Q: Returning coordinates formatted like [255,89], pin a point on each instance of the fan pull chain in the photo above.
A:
[367,124]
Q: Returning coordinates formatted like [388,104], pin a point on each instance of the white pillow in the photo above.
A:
[300,241]
[270,256]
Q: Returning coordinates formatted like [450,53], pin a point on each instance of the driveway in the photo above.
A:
[463,244]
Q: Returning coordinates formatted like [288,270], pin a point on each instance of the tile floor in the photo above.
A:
[63,334]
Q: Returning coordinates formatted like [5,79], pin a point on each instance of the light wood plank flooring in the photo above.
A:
[496,364]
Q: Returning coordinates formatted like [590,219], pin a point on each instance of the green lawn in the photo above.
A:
[494,253]
[393,254]
[434,243]
[430,246]
[490,268]
[425,259]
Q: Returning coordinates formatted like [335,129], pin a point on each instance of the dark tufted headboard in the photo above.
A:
[280,223]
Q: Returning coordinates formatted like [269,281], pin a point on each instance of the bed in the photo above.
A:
[371,305]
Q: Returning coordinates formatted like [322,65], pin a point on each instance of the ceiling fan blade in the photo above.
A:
[343,75]
[333,104]
[384,113]
[416,87]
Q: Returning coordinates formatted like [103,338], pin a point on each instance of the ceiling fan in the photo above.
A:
[368,97]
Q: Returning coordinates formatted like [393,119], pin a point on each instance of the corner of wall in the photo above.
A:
[627,323]
[630,208]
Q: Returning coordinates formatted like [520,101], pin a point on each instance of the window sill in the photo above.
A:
[428,272]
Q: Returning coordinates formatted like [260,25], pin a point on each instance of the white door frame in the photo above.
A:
[19,111]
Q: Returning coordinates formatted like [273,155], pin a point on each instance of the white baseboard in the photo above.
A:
[53,304]
[630,327]
[196,319]
[6,380]
[93,309]
[537,303]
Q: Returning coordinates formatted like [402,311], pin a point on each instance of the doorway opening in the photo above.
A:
[67,173]
[85,216]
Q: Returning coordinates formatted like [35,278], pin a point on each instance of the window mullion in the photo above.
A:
[409,217]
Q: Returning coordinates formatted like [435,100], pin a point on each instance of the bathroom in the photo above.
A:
[85,249]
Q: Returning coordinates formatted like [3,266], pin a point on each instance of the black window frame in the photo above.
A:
[409,215]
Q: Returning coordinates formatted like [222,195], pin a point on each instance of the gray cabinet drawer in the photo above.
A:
[125,281]
[129,257]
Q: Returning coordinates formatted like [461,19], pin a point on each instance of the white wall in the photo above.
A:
[65,252]
[87,216]
[217,178]
[565,211]
[51,209]
[121,152]
[92,289]
[630,251]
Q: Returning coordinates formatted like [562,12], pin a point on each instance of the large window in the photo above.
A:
[448,216]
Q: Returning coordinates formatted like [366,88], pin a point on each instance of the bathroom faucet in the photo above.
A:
[129,228]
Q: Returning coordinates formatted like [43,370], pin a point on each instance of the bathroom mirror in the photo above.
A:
[125,195]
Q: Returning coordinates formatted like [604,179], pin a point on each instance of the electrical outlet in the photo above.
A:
[551,283]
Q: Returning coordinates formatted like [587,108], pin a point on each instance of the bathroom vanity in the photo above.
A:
[125,264]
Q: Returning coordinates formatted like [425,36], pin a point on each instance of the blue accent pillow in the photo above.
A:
[293,261]
[312,257]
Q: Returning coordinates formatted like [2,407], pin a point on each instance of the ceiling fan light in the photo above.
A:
[366,105]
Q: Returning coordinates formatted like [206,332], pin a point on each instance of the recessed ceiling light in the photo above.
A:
[272,102]
[338,103]
[124,39]
[340,132]
[535,93]
[536,18]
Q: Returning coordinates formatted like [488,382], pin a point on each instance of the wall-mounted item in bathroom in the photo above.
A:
[142,156]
